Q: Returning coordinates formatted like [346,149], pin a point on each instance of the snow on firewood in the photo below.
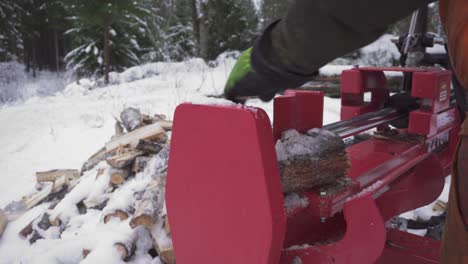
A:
[313,159]
[294,201]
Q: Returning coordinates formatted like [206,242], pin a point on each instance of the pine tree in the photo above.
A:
[227,25]
[105,36]
[272,10]
[10,36]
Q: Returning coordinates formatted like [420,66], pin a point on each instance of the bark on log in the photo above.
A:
[165,124]
[96,158]
[126,248]
[167,227]
[27,230]
[163,245]
[149,147]
[131,119]
[51,176]
[439,206]
[123,160]
[149,207]
[85,252]
[140,164]
[3,222]
[308,160]
[118,176]
[152,132]
[122,215]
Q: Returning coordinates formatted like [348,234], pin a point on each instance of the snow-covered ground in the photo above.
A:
[62,130]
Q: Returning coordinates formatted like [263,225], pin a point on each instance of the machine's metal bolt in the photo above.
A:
[323,194]
[323,219]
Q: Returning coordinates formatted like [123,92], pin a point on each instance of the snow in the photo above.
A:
[61,130]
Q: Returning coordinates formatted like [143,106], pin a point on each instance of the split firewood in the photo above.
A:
[163,244]
[119,214]
[148,120]
[85,252]
[95,159]
[150,206]
[96,204]
[152,132]
[149,147]
[140,164]
[100,172]
[126,248]
[439,206]
[131,119]
[27,230]
[3,222]
[118,176]
[309,160]
[17,208]
[167,227]
[165,124]
[124,160]
[119,130]
[51,176]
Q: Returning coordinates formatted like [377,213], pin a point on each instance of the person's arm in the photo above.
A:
[454,16]
[314,32]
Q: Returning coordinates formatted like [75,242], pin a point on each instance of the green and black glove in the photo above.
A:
[244,82]
[259,73]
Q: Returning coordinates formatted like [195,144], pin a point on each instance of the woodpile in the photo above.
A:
[102,185]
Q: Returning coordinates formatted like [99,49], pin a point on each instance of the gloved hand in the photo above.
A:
[244,82]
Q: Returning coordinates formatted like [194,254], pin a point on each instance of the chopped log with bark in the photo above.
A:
[126,248]
[163,244]
[152,132]
[439,206]
[165,124]
[119,214]
[27,230]
[150,206]
[131,119]
[167,227]
[95,159]
[124,160]
[51,176]
[85,252]
[308,160]
[118,176]
[149,147]
[3,222]
[140,164]
[119,130]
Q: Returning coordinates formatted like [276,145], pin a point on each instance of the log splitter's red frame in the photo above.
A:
[224,197]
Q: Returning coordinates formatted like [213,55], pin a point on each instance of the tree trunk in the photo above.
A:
[196,26]
[57,52]
[106,48]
